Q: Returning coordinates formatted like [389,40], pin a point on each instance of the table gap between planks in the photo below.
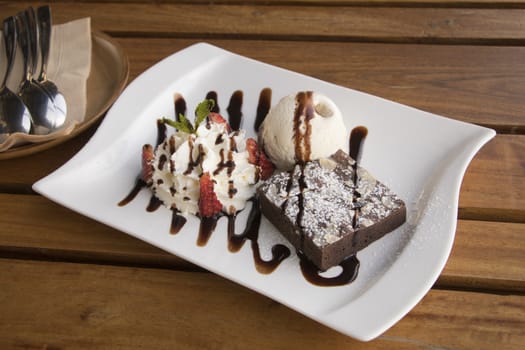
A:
[68,282]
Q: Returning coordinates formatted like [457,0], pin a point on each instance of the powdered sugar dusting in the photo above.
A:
[328,206]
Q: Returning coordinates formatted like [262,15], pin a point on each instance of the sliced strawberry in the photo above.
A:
[253,151]
[256,156]
[147,160]
[266,166]
[209,205]
[219,119]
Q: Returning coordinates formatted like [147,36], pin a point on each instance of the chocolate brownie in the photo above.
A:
[326,213]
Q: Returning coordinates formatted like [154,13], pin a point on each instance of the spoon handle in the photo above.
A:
[23,40]
[9,33]
[33,37]
[44,24]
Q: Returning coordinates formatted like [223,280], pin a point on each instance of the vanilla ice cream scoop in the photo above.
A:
[303,126]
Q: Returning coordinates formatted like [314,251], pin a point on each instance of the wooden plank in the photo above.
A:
[486,255]
[396,3]
[384,24]
[57,233]
[116,307]
[484,88]
[493,187]
[482,85]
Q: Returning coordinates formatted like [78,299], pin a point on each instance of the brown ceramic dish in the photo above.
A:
[108,77]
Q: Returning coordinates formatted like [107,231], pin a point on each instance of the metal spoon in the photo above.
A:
[46,117]
[44,28]
[14,115]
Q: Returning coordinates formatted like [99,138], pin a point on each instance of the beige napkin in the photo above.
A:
[68,67]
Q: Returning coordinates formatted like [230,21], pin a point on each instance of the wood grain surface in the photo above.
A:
[350,23]
[68,282]
[421,76]
[498,171]
[108,306]
[57,233]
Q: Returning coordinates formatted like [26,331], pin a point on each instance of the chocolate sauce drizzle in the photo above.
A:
[180,106]
[139,184]
[302,131]
[350,266]
[251,233]
[263,107]
[154,204]
[206,228]
[350,269]
[177,222]
[357,137]
[161,132]
[304,112]
[194,162]
[212,95]
[208,224]
[235,110]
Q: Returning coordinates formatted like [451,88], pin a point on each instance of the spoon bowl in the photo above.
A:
[14,115]
[44,29]
[46,115]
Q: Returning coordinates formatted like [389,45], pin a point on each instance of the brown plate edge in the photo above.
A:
[123,75]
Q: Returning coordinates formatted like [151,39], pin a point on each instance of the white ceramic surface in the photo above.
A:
[420,156]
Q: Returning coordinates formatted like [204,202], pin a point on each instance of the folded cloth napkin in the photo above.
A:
[68,67]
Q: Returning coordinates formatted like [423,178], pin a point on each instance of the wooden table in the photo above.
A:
[67,282]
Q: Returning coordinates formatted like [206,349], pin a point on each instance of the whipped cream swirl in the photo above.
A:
[183,157]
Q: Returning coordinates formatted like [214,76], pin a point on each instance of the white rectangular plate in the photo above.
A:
[420,156]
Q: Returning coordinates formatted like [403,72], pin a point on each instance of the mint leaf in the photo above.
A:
[187,124]
[182,124]
[201,112]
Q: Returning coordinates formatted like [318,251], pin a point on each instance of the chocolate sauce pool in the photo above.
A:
[304,112]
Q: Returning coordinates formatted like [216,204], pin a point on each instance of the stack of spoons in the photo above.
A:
[37,106]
